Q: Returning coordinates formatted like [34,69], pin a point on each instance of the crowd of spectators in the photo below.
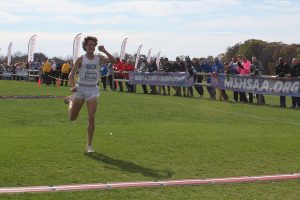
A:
[51,72]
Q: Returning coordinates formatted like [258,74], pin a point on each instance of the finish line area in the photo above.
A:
[144,145]
[119,185]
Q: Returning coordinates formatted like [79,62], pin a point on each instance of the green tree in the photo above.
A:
[231,52]
[267,52]
[252,47]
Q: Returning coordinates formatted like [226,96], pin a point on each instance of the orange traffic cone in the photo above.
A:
[57,82]
[39,82]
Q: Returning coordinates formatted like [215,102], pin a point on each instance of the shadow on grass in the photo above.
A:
[130,167]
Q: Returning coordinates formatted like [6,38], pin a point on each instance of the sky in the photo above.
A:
[174,27]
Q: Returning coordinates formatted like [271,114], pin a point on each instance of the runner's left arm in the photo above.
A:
[103,59]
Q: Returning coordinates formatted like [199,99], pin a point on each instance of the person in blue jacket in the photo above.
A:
[208,69]
[103,72]
[218,68]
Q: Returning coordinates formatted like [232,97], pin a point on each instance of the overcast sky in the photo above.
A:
[195,28]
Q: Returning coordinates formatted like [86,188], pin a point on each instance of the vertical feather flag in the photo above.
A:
[76,47]
[149,55]
[31,48]
[157,59]
[9,53]
[123,48]
[138,53]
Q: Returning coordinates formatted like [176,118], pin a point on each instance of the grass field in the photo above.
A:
[153,138]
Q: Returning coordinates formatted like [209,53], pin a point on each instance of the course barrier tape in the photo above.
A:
[118,185]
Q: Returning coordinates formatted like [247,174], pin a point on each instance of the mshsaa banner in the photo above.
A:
[161,78]
[258,85]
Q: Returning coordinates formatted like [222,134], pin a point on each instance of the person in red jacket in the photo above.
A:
[128,67]
[119,67]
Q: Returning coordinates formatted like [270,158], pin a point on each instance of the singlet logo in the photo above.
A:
[91,66]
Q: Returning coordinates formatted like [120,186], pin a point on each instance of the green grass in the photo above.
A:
[153,138]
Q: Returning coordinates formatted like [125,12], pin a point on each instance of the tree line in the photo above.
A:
[267,53]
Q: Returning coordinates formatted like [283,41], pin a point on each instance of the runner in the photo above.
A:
[86,89]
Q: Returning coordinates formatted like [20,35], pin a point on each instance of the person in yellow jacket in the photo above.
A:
[46,72]
[65,70]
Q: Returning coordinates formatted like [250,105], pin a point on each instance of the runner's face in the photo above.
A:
[90,47]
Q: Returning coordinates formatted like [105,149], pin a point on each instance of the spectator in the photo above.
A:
[243,69]
[295,72]
[197,68]
[179,66]
[208,69]
[65,70]
[58,69]
[161,68]
[189,69]
[1,71]
[53,73]
[119,67]
[153,68]
[169,67]
[282,70]
[46,72]
[232,70]
[110,70]
[143,68]
[28,64]
[218,68]
[256,69]
[103,74]
[129,67]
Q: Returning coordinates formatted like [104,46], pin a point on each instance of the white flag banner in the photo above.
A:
[138,53]
[149,55]
[157,59]
[9,53]
[31,48]
[76,47]
[123,48]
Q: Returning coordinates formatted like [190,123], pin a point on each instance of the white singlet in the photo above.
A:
[88,77]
